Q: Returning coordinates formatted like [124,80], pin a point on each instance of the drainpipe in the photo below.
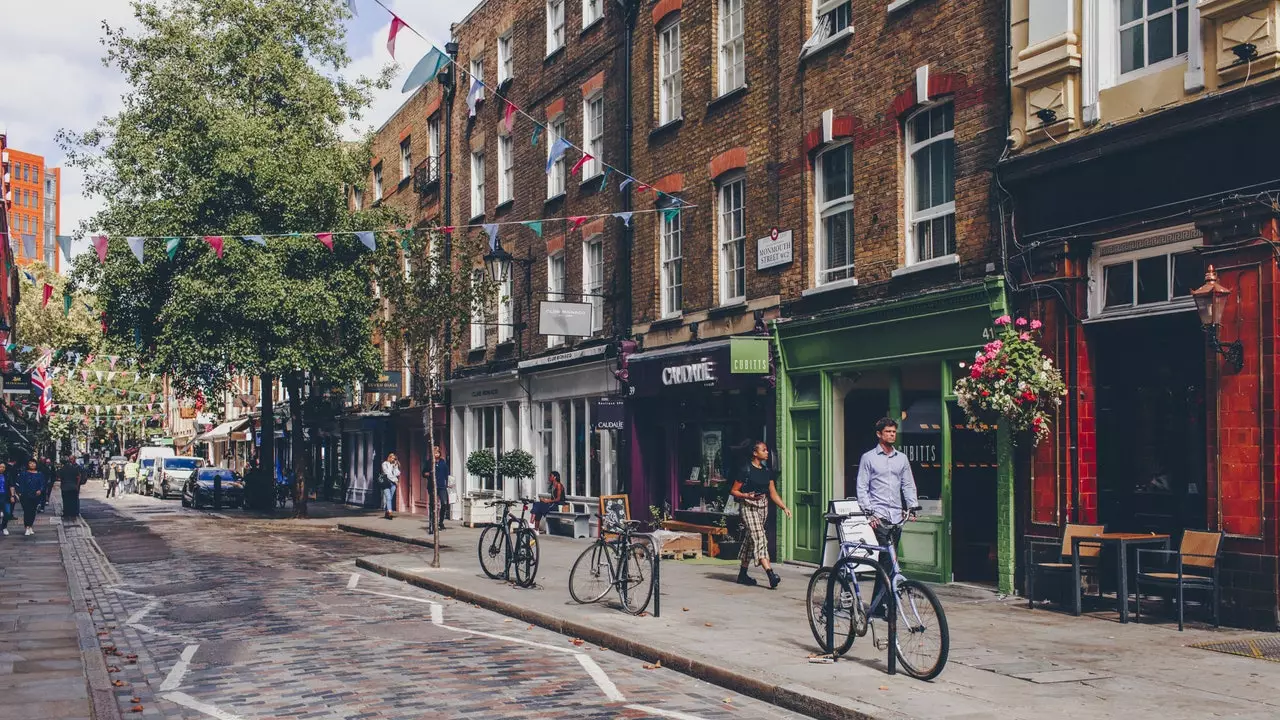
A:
[448,82]
[623,312]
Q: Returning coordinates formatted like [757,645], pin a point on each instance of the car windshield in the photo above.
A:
[181,463]
[148,463]
[207,475]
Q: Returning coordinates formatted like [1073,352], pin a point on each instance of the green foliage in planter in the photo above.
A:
[517,465]
[481,463]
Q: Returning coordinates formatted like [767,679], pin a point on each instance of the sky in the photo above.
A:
[52,76]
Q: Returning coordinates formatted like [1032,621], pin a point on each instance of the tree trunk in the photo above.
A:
[263,491]
[297,444]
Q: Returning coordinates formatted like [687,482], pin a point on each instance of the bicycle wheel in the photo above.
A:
[635,587]
[526,558]
[590,578]
[493,552]
[923,638]
[846,612]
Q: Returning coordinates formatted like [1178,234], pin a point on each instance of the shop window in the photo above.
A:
[931,206]
[487,422]
[1152,272]
[546,441]
[805,390]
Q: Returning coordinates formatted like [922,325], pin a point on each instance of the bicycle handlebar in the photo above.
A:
[841,517]
[494,503]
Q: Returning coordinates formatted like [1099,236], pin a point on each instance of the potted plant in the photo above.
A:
[1011,381]
[517,465]
[482,464]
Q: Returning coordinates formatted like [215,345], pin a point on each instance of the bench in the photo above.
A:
[710,532]
[573,524]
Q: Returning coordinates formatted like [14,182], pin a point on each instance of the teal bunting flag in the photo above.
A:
[537,130]
[425,71]
[604,181]
[671,214]
[535,226]
[171,246]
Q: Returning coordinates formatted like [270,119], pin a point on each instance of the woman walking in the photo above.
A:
[390,479]
[31,492]
[113,480]
[755,490]
[6,499]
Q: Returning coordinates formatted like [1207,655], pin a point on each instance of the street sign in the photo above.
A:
[564,318]
[609,414]
[748,355]
[16,383]
[774,250]
[388,382]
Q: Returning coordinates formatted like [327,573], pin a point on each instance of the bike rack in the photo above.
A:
[891,611]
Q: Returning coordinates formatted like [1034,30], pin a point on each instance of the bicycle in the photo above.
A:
[919,614]
[509,544]
[621,563]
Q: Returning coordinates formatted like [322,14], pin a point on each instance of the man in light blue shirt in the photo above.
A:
[887,490]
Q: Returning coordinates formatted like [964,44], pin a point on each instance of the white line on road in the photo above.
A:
[130,592]
[602,680]
[134,618]
[507,638]
[437,614]
[398,597]
[174,678]
[186,700]
[663,713]
[355,578]
[161,633]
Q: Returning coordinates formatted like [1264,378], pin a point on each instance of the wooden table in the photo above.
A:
[1122,542]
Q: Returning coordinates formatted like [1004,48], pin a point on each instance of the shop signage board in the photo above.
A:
[388,382]
[775,250]
[16,383]
[708,366]
[609,414]
[564,318]
[748,356]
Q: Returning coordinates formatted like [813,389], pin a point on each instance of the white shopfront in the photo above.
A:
[489,411]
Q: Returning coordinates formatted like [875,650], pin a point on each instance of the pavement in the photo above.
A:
[235,616]
[1007,661]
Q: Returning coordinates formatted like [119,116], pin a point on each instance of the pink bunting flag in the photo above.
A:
[576,222]
[396,25]
[447,229]
[84,376]
[643,188]
[48,292]
[509,116]
[586,158]
[100,244]
[215,242]
[112,360]
[326,239]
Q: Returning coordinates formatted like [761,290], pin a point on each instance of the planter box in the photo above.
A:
[475,511]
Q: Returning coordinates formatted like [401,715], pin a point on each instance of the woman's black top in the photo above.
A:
[756,479]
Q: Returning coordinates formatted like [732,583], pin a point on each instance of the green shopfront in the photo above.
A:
[843,369]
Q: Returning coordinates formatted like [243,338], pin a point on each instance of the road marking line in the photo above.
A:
[602,680]
[507,638]
[174,678]
[134,618]
[398,597]
[663,713]
[161,633]
[130,592]
[437,614]
[186,700]
[355,578]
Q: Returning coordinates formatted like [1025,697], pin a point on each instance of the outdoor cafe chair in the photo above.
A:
[1195,568]
[1060,564]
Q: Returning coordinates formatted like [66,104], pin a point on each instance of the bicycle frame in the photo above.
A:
[844,568]
[505,521]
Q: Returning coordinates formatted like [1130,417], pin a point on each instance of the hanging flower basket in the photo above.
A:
[1011,382]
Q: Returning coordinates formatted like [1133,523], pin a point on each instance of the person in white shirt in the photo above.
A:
[390,479]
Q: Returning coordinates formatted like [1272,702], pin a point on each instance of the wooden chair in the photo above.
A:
[1061,565]
[1195,568]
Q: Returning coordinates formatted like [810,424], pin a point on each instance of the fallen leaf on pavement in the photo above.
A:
[707,624]
[728,700]
[131,656]
[118,683]
[685,609]
[113,669]
[135,699]
[507,620]
[136,709]
[884,687]
[577,641]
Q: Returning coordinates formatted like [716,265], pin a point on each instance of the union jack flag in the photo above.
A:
[40,381]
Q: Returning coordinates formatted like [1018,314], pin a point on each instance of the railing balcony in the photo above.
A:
[426,176]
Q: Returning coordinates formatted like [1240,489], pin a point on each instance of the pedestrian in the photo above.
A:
[541,508]
[390,479]
[45,468]
[131,470]
[755,489]
[31,483]
[70,476]
[113,480]
[6,499]
[439,486]
[887,492]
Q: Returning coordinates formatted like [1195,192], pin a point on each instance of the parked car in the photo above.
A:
[172,474]
[198,489]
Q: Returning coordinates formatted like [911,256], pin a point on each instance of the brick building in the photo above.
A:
[1140,158]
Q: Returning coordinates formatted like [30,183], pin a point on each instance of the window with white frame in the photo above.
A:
[506,328]
[931,206]
[406,159]
[477,311]
[1148,273]
[593,279]
[377,182]
[555,25]
[835,214]
[506,64]
[672,257]
[487,425]
[555,287]
[830,18]
[357,198]
[477,73]
[586,459]
[593,134]
[506,169]
[733,240]
[670,80]
[733,49]
[592,10]
[433,148]
[477,184]
[555,179]
[1151,32]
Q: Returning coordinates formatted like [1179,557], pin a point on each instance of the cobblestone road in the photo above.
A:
[231,618]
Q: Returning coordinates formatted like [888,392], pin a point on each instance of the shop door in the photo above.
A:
[809,508]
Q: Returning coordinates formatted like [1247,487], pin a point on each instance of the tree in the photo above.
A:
[232,126]
[430,289]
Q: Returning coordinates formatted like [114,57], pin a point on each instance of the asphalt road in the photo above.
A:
[204,616]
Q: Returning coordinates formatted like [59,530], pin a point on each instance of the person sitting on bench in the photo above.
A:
[540,509]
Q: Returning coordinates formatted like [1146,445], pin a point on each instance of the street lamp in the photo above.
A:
[1211,300]
[498,262]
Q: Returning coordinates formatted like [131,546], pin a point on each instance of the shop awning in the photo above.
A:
[223,432]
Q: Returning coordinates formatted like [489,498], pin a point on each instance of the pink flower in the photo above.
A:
[1036,324]
[1003,320]
[1025,337]
[1022,322]
[976,372]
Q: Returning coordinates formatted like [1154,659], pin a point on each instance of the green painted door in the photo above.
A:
[806,427]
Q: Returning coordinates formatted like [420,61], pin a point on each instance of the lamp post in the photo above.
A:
[1211,300]
[497,263]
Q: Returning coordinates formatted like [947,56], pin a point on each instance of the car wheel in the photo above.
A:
[185,502]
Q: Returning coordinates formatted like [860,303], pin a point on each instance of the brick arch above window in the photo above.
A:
[842,126]
[938,85]
[665,8]
[735,159]
[671,184]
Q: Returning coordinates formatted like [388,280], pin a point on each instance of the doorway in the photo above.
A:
[1151,423]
